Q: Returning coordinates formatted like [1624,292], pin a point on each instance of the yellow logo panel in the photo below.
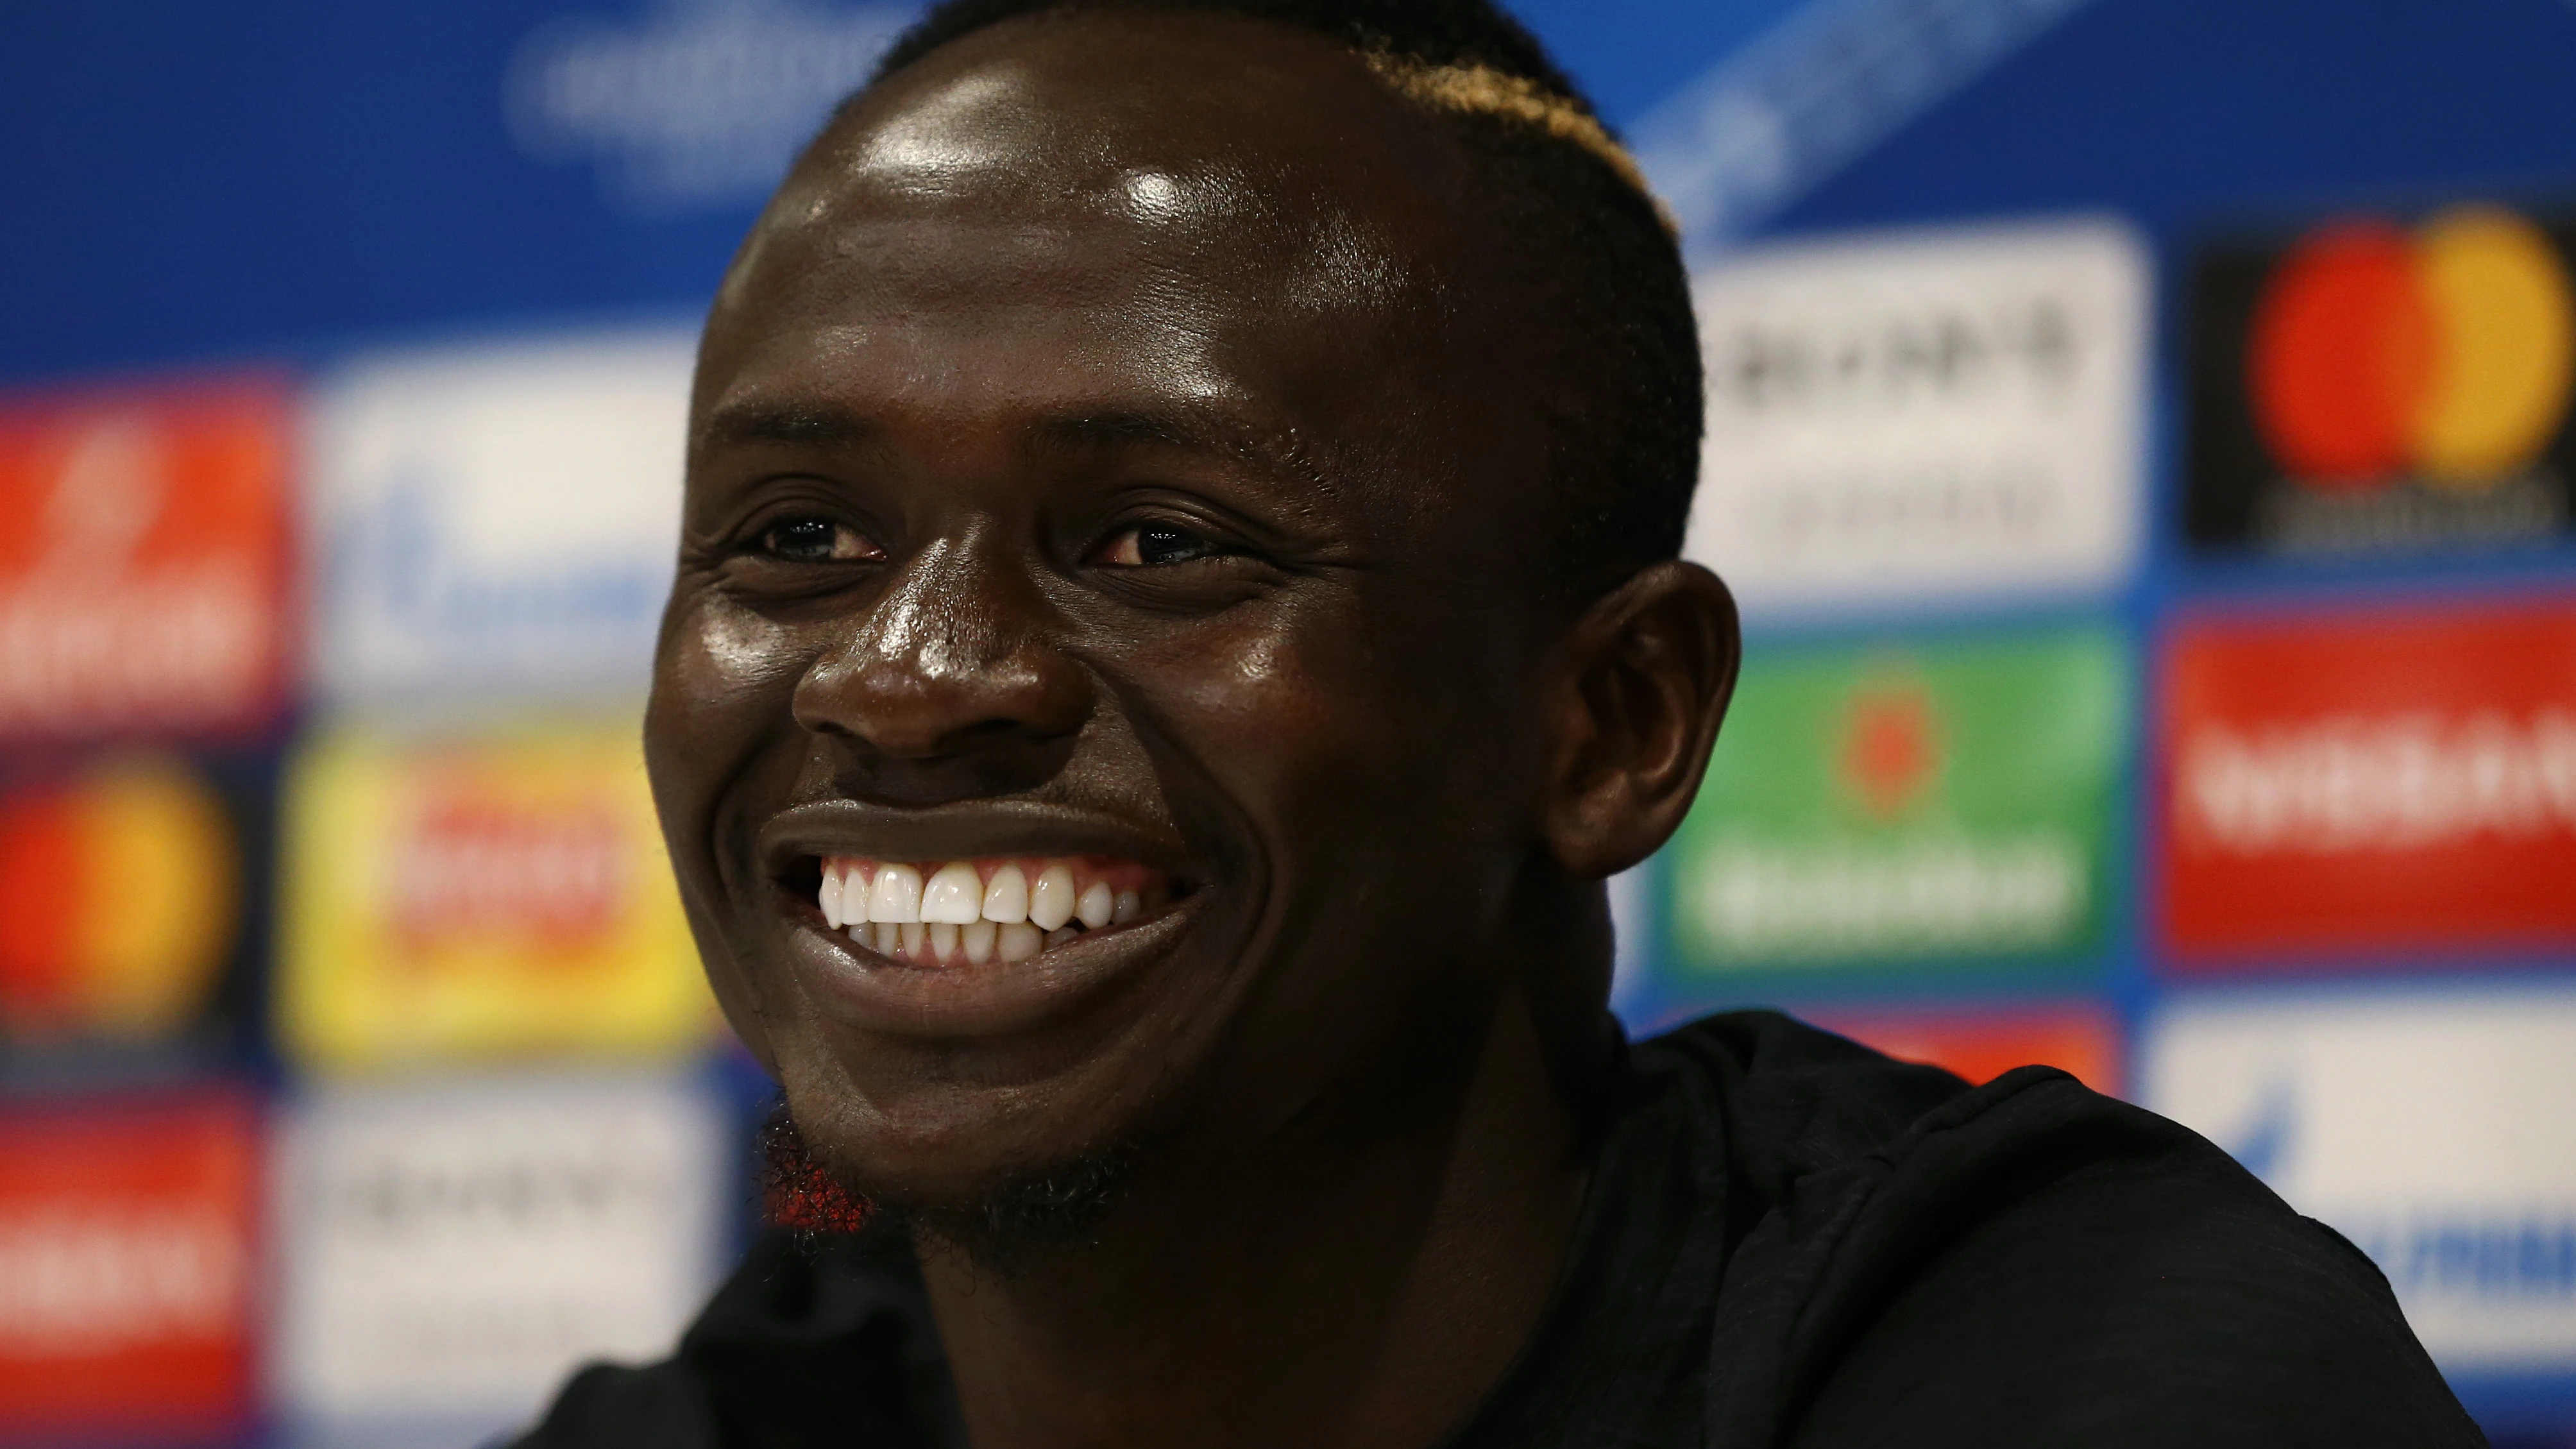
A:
[479,896]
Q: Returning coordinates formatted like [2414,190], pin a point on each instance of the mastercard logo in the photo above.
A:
[119,899]
[2444,353]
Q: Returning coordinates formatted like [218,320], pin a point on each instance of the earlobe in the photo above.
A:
[1642,686]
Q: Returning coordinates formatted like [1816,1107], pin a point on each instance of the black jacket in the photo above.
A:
[1790,1241]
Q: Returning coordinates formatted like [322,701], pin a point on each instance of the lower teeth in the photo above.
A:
[941,944]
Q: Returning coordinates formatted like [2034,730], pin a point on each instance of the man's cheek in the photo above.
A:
[721,654]
[721,706]
[1297,686]
[723,691]
[1306,726]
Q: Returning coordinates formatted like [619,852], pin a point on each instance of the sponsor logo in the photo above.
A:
[2404,782]
[2429,1129]
[700,106]
[117,1276]
[455,1250]
[2512,1255]
[1891,748]
[472,895]
[2371,386]
[1942,413]
[2372,783]
[126,1269]
[120,898]
[143,561]
[1983,1045]
[1816,90]
[510,869]
[500,521]
[1942,801]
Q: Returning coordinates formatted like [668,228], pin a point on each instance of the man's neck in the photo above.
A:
[1302,1296]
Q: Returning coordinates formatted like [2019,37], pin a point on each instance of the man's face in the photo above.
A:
[1105,461]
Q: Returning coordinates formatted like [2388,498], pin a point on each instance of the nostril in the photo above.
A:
[925,729]
[964,765]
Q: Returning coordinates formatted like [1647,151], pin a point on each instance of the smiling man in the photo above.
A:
[1177,617]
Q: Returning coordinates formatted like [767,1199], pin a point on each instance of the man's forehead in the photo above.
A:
[1166,89]
[1241,141]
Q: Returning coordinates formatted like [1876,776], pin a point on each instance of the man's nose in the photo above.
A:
[948,687]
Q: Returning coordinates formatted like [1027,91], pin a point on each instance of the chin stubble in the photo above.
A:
[1053,1210]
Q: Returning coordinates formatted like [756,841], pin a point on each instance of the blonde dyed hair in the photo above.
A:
[1481,90]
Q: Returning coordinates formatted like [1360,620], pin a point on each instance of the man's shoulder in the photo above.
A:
[1799,1112]
[1789,1099]
[2027,1261]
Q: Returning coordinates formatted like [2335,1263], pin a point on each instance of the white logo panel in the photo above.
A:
[498,522]
[455,1250]
[2431,1129]
[1924,414]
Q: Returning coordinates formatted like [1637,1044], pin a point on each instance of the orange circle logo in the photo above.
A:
[119,896]
[1891,745]
[2446,353]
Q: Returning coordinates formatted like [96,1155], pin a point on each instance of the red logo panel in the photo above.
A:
[126,1270]
[2370,785]
[145,555]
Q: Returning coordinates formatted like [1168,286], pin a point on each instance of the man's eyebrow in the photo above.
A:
[804,424]
[1217,433]
[1209,431]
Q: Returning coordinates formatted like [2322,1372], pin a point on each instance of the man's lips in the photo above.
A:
[795,838]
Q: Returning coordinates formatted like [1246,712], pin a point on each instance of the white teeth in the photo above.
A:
[896,895]
[1007,897]
[1097,905]
[954,895]
[956,914]
[1051,900]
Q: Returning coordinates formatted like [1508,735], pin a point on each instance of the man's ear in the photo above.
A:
[1640,688]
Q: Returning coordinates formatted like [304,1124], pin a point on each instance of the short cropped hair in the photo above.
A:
[1624,401]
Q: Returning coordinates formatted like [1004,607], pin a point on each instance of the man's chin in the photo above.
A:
[998,1215]
[1056,1209]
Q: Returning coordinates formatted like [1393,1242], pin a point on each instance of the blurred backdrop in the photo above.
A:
[2138,433]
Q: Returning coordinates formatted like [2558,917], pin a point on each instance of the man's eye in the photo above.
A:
[1148,544]
[818,540]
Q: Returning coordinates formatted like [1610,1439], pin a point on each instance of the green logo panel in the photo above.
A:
[1890,806]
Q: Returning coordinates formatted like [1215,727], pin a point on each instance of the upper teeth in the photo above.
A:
[979,909]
